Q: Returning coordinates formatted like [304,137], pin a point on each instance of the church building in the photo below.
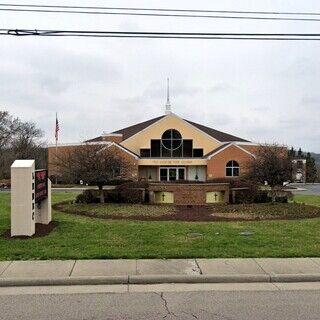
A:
[169,148]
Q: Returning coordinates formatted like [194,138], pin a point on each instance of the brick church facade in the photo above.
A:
[169,148]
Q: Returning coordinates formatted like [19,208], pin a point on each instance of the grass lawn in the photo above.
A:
[254,211]
[266,210]
[79,237]
[307,199]
[117,209]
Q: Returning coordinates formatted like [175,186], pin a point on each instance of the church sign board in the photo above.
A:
[30,197]
[41,185]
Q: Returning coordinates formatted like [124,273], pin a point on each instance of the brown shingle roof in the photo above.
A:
[132,130]
[97,139]
[220,136]
[216,149]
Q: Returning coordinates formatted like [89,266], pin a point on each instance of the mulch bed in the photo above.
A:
[41,230]
[185,213]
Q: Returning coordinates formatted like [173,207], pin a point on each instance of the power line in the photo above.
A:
[162,35]
[160,15]
[160,9]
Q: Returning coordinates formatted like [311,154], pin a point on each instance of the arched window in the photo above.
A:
[232,169]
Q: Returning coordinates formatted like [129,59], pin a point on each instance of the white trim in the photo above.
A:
[191,125]
[104,134]
[229,145]
[187,123]
[122,148]
[151,125]
[248,152]
[174,115]
[177,172]
[106,143]
[213,154]
[226,167]
[242,143]
[78,144]
[222,142]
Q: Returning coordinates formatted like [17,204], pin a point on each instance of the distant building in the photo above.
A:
[299,168]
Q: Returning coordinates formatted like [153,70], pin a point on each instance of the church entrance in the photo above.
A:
[172,173]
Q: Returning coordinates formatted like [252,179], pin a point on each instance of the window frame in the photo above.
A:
[234,166]
[165,140]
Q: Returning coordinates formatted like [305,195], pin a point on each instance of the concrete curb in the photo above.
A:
[62,281]
[149,279]
[300,277]
[156,279]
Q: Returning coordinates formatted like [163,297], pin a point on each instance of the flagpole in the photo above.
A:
[56,134]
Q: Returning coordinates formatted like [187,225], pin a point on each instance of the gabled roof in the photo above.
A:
[218,135]
[97,139]
[117,145]
[132,130]
[216,151]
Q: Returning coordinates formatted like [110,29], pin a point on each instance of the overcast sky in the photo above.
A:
[259,90]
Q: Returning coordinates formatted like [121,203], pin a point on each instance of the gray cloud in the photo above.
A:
[264,91]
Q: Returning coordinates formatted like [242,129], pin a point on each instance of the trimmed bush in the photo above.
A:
[133,192]
[117,182]
[132,196]
[133,185]
[112,196]
[88,196]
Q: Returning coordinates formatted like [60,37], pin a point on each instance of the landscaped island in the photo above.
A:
[218,212]
[80,237]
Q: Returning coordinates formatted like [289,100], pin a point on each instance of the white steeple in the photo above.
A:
[168,105]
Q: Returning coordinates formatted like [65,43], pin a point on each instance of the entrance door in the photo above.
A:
[172,174]
[163,174]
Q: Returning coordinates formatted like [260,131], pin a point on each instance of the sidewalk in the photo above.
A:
[85,272]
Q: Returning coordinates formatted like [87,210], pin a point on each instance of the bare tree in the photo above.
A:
[9,126]
[95,164]
[19,140]
[272,164]
[26,144]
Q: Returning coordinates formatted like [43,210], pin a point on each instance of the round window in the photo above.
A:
[171,139]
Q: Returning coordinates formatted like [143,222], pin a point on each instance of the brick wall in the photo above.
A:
[190,194]
[216,166]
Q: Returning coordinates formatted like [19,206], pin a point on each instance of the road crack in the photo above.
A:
[219,315]
[166,306]
[191,314]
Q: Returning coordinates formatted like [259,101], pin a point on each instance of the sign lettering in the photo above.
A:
[41,185]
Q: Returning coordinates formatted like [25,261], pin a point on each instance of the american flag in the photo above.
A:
[57,128]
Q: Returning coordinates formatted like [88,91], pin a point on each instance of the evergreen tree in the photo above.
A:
[292,153]
[311,170]
[300,154]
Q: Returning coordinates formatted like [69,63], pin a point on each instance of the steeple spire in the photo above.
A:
[168,105]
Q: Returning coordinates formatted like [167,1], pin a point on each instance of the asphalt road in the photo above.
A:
[213,305]
[311,189]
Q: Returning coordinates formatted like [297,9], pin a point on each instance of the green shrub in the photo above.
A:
[132,196]
[117,182]
[88,196]
[262,197]
[133,185]
[133,192]
[112,196]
